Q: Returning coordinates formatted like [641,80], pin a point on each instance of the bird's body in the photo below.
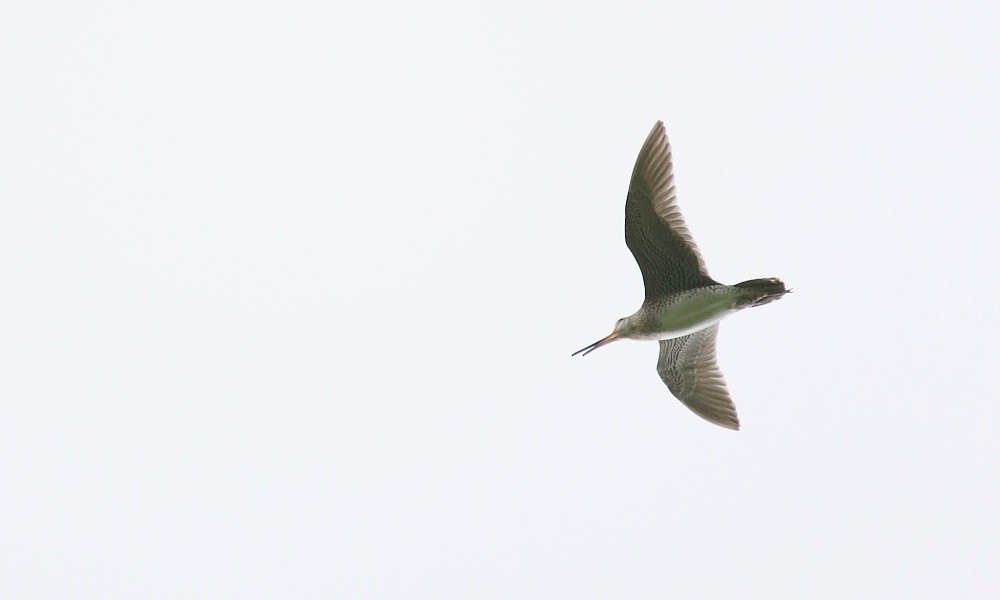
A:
[680,314]
[683,305]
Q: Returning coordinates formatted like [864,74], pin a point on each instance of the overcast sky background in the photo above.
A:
[290,292]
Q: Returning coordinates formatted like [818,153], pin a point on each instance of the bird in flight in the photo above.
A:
[683,305]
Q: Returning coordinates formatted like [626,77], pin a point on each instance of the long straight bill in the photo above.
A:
[601,342]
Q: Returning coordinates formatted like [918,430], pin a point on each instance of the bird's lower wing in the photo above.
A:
[688,366]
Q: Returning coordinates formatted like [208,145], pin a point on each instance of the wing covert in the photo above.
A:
[689,368]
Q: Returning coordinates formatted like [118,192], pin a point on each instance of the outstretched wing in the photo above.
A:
[688,366]
[655,231]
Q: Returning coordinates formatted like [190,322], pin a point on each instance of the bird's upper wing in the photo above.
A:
[655,231]
[687,365]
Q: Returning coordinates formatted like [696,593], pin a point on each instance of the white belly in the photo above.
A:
[686,314]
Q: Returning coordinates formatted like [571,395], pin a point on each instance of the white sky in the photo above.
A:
[290,292]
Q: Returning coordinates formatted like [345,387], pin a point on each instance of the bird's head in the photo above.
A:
[621,329]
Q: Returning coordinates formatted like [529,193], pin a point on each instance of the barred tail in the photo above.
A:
[758,292]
